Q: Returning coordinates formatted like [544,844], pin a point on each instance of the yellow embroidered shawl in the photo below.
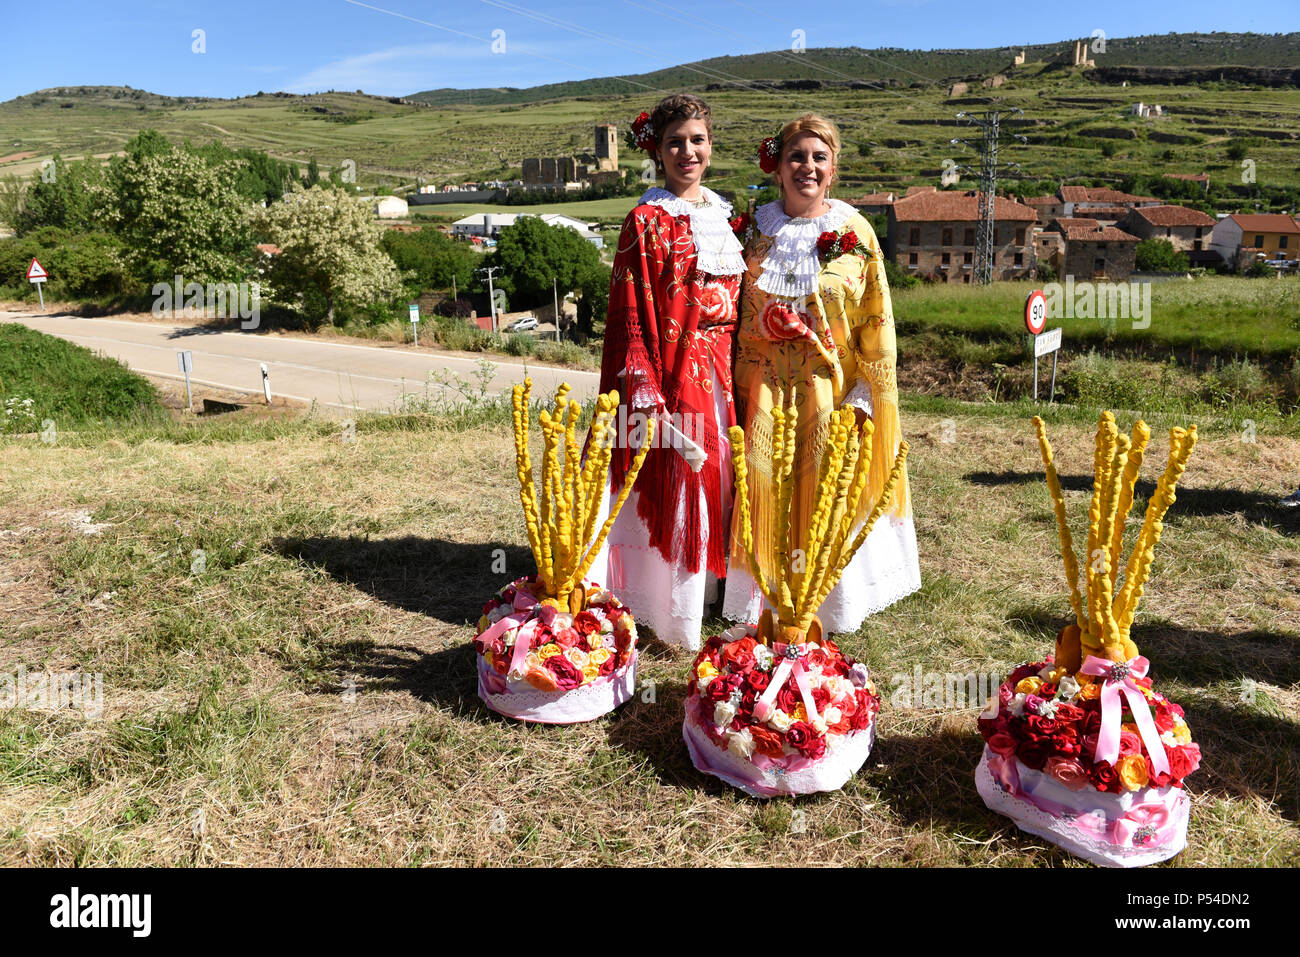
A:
[852,294]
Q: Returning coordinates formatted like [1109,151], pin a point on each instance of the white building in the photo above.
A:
[489,225]
[392,207]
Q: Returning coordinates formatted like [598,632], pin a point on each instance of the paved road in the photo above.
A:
[336,375]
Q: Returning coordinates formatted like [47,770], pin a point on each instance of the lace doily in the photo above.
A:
[1063,832]
[717,250]
[830,773]
[791,266]
[584,703]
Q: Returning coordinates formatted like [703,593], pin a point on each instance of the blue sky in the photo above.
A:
[395,47]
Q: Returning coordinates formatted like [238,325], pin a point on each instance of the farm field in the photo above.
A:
[309,687]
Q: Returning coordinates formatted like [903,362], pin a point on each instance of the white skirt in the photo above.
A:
[664,596]
[885,569]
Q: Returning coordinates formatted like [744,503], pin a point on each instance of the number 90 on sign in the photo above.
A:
[1036,312]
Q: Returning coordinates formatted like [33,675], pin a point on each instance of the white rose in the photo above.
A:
[1017,705]
[763,657]
[1067,688]
[832,714]
[819,725]
[780,721]
[1046,672]
[741,743]
[723,712]
[702,683]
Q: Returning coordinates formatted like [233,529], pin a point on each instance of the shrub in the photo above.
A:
[519,344]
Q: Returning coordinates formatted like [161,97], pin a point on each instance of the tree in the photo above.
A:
[313,173]
[329,253]
[178,215]
[532,254]
[1159,255]
[430,260]
[594,303]
[65,195]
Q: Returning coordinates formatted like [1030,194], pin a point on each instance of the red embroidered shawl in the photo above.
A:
[672,328]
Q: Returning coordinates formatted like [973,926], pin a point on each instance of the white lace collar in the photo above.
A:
[791,265]
[717,250]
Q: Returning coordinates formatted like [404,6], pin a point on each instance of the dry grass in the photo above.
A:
[311,690]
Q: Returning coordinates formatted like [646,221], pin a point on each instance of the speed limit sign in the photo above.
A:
[1036,312]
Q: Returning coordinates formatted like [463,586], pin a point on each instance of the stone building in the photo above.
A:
[1095,251]
[932,233]
[1187,229]
[568,172]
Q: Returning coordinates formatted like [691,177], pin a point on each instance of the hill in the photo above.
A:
[893,106]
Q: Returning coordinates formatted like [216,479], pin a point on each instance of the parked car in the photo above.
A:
[522,325]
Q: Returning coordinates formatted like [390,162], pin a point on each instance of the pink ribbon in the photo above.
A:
[1143,824]
[1119,681]
[791,663]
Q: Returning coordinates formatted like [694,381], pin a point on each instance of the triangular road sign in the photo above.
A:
[36,271]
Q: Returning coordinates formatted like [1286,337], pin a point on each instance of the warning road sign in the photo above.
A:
[36,272]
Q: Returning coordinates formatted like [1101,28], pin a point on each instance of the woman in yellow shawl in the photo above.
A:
[817,327]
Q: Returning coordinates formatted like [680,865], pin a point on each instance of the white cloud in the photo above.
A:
[398,70]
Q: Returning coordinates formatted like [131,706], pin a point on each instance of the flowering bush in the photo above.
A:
[823,698]
[1052,723]
[525,641]
[19,416]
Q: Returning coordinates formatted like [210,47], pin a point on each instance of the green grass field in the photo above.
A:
[595,210]
[309,687]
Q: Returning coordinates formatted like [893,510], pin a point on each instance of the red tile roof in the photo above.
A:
[1105,212]
[873,199]
[1173,216]
[270,249]
[1087,194]
[1041,200]
[1087,230]
[951,206]
[1266,222]
[914,190]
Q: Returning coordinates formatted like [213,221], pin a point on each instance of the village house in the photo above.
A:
[489,225]
[1246,238]
[1186,229]
[1093,202]
[873,203]
[1048,207]
[1094,250]
[932,233]
[1201,179]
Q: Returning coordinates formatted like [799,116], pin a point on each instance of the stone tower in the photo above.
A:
[606,147]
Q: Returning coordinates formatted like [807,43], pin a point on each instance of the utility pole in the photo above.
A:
[555,294]
[454,294]
[989,123]
[492,299]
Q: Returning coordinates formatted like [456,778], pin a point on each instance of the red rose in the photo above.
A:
[721,687]
[1164,719]
[1046,691]
[769,154]
[1066,744]
[1003,744]
[1042,727]
[738,656]
[585,623]
[757,681]
[1183,760]
[567,638]
[848,242]
[1104,778]
[766,741]
[567,674]
[803,737]
[740,223]
[787,699]
[1034,753]
[826,242]
[862,717]
[1157,780]
[821,698]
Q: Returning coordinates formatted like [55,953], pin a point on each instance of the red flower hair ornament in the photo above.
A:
[769,154]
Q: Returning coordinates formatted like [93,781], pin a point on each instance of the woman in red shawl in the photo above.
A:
[668,338]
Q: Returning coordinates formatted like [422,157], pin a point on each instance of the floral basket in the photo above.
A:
[787,719]
[554,647]
[540,664]
[1043,768]
[1078,748]
[777,708]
